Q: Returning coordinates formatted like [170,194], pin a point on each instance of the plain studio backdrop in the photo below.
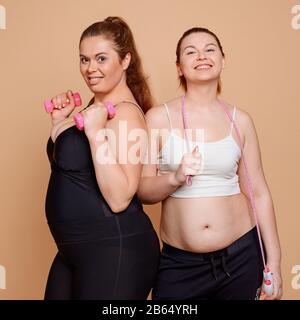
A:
[39,58]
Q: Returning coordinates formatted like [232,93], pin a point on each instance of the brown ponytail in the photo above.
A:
[118,31]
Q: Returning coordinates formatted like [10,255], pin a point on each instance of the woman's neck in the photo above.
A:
[119,93]
[201,96]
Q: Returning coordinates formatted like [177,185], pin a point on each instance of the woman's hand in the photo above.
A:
[64,105]
[95,118]
[277,283]
[190,166]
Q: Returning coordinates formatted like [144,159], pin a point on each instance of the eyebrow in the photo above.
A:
[97,54]
[190,46]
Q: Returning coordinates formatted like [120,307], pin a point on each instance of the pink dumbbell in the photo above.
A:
[49,105]
[79,121]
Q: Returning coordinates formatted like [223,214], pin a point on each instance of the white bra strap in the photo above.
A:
[233,117]
[168,115]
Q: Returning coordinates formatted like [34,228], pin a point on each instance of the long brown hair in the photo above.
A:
[187,33]
[117,30]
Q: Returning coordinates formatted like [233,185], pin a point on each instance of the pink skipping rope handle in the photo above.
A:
[249,184]
[49,107]
[79,120]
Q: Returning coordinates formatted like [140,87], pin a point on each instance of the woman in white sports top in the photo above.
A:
[210,242]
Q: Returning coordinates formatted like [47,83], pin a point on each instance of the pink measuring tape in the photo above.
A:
[267,274]
[185,126]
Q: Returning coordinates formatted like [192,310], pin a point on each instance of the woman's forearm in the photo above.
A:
[154,189]
[268,227]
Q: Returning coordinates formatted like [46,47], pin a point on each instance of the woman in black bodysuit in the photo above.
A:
[107,247]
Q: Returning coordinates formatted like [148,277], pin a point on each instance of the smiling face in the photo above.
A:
[100,64]
[200,59]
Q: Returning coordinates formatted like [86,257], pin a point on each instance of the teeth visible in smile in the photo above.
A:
[206,66]
[94,80]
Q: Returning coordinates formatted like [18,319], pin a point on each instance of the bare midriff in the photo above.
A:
[205,224]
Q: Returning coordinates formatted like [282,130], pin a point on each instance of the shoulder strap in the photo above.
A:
[124,101]
[233,118]
[135,104]
[168,115]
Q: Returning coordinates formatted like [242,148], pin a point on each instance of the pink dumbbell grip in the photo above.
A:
[77,99]
[49,105]
[79,121]
[111,110]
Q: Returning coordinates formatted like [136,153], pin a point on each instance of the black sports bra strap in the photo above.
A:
[124,101]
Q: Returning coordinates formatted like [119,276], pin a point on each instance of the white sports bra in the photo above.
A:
[218,173]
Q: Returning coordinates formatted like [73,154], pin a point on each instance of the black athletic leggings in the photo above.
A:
[120,268]
[234,273]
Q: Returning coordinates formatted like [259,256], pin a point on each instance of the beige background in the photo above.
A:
[39,58]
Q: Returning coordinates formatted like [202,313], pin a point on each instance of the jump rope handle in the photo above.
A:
[268,287]
[49,107]
[188,180]
[79,120]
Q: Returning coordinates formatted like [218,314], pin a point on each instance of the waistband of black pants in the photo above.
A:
[248,238]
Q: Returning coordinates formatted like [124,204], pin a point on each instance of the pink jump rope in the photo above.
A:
[78,118]
[267,274]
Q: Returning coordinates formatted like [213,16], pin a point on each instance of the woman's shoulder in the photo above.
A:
[174,103]
[243,116]
[170,104]
[129,109]
[157,116]
[243,119]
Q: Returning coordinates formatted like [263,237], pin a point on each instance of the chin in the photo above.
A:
[208,78]
[96,90]
[204,80]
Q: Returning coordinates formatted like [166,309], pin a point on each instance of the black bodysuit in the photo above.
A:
[101,254]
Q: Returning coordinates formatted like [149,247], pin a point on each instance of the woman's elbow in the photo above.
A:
[118,205]
[141,196]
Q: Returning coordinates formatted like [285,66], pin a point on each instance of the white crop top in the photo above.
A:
[218,175]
